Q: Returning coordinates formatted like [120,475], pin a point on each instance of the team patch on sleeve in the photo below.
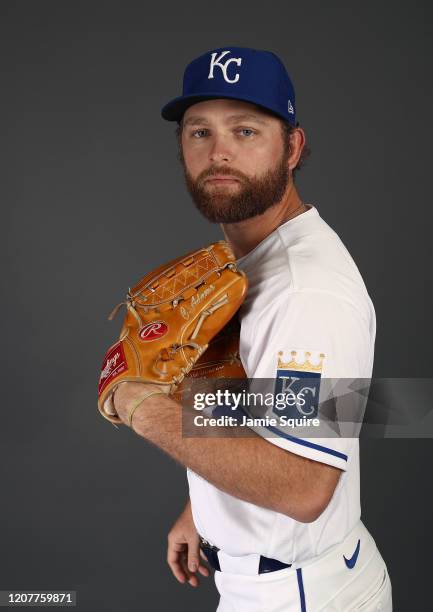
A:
[297,383]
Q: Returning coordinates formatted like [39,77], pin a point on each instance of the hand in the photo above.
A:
[128,394]
[183,550]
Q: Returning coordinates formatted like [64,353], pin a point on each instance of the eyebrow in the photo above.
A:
[195,119]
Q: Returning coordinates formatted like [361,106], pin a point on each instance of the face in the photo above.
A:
[235,161]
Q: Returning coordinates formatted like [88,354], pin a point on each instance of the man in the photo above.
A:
[277,517]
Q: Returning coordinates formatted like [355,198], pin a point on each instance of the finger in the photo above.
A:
[193,556]
[203,570]
[176,566]
[191,578]
[195,564]
[178,572]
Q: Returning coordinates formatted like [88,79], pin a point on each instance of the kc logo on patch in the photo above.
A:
[297,384]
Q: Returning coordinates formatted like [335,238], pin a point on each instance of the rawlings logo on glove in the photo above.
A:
[153,331]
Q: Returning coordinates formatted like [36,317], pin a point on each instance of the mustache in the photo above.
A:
[222,172]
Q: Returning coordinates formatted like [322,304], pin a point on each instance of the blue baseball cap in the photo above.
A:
[237,73]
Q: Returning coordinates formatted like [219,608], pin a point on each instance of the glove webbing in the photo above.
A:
[130,302]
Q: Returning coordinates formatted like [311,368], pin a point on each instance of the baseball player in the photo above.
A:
[276,516]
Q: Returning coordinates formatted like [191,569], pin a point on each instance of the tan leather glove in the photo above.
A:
[172,315]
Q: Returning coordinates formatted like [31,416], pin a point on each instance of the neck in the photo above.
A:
[244,236]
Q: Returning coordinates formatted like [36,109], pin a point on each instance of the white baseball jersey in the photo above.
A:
[307,310]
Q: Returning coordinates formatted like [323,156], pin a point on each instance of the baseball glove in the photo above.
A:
[172,314]
[221,360]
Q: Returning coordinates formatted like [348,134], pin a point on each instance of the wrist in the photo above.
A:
[128,394]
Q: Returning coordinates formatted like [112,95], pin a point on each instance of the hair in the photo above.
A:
[286,132]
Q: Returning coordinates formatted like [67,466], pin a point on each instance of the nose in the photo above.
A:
[220,150]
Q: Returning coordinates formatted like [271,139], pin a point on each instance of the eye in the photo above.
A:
[251,132]
[194,134]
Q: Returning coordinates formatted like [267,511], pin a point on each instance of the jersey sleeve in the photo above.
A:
[308,346]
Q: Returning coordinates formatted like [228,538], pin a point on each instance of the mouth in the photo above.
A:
[221,180]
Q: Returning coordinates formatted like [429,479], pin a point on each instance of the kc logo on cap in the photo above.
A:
[216,61]
[237,73]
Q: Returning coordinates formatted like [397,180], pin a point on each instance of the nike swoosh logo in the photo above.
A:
[350,563]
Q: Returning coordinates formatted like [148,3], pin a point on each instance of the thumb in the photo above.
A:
[193,554]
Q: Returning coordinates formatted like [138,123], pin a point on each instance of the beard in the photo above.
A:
[247,198]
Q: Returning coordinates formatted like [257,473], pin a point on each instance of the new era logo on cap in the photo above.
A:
[239,73]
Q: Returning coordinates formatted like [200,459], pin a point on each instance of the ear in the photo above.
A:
[297,143]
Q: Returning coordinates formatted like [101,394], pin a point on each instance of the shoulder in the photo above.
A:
[320,267]
[304,262]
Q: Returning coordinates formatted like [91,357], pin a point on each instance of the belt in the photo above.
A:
[265,563]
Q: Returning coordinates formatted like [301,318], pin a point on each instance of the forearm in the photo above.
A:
[249,468]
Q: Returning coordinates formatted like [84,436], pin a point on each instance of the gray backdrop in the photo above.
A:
[93,198]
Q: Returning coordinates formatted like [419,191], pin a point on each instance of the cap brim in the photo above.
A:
[174,110]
